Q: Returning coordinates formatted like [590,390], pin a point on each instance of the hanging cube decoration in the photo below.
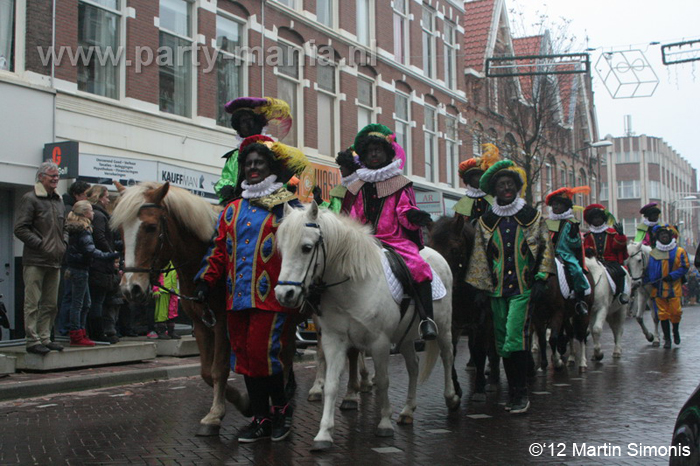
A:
[627,74]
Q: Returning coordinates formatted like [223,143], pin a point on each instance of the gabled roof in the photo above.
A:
[478,29]
[523,46]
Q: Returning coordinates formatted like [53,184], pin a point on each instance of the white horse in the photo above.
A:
[357,309]
[605,308]
[641,294]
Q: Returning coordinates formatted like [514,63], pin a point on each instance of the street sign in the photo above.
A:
[431,202]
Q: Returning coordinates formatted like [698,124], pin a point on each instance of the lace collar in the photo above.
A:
[599,229]
[510,209]
[262,189]
[381,174]
[666,247]
[562,216]
[347,180]
[475,193]
[648,223]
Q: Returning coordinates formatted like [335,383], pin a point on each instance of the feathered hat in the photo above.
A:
[567,194]
[597,208]
[274,110]
[665,226]
[470,165]
[293,161]
[384,133]
[502,167]
[649,209]
[489,157]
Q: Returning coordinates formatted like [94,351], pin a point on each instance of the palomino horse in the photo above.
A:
[160,224]
[641,293]
[453,238]
[606,307]
[339,256]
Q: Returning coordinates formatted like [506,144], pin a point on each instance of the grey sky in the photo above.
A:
[673,112]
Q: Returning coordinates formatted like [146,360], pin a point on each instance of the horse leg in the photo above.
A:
[541,330]
[316,390]
[478,354]
[352,396]
[452,399]
[616,325]
[365,381]
[335,349]
[410,357]
[380,355]
[455,340]
[655,317]
[598,318]
[581,325]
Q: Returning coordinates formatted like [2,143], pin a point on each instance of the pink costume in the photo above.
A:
[394,197]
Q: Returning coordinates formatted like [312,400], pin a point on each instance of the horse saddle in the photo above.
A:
[566,282]
[616,276]
[399,278]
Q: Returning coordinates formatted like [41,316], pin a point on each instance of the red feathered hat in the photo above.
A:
[588,211]
[567,193]
[470,164]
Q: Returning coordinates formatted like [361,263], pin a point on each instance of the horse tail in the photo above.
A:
[432,351]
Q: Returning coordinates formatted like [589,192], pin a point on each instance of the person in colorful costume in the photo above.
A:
[249,116]
[511,262]
[244,253]
[644,233]
[475,203]
[608,244]
[668,264]
[566,238]
[348,164]
[167,302]
[383,198]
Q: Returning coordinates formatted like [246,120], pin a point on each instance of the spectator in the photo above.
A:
[81,252]
[166,304]
[39,225]
[104,276]
[76,192]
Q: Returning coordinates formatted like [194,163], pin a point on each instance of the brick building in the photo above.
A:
[647,169]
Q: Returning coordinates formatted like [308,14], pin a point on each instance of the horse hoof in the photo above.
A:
[208,430]
[582,370]
[650,338]
[617,355]
[319,446]
[314,397]
[478,397]
[453,405]
[571,362]
[386,432]
[349,405]
[598,357]
[404,420]
[655,344]
[458,391]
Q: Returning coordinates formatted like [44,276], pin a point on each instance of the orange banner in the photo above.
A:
[319,175]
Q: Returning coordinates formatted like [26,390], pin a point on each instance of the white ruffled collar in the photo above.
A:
[474,193]
[380,174]
[348,180]
[562,216]
[598,229]
[648,223]
[262,189]
[510,209]
[666,247]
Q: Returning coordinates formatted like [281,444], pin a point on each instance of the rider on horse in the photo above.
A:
[476,202]
[512,259]
[644,233]
[249,116]
[244,254]
[348,164]
[668,263]
[608,244]
[566,237]
[383,198]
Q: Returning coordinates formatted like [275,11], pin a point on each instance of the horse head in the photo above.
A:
[453,238]
[637,262]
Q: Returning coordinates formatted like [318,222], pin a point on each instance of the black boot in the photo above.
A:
[581,306]
[162,331]
[427,328]
[171,331]
[522,402]
[510,376]
[676,334]
[666,327]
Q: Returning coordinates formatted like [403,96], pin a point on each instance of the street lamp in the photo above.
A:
[597,145]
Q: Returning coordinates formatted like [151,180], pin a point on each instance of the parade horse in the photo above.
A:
[606,308]
[637,263]
[160,224]
[339,258]
[453,238]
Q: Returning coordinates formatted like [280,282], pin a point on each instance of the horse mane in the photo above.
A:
[192,212]
[353,248]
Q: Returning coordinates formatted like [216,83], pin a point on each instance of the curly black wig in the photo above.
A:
[236,118]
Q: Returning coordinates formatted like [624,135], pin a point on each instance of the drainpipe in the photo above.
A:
[53,65]
[262,46]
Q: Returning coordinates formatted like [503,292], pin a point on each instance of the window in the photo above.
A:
[450,55]
[364,22]
[509,147]
[288,82]
[654,190]
[430,149]
[428,26]
[604,191]
[402,119]
[562,175]
[7,35]
[477,139]
[451,150]
[365,102]
[326,97]
[572,179]
[324,12]
[174,58]
[628,189]
[630,225]
[289,3]
[228,65]
[98,37]
[401,31]
[548,178]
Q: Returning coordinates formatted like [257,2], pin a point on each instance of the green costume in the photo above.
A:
[337,195]
[229,174]
[569,250]
[473,207]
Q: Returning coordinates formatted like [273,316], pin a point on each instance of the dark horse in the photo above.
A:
[453,238]
[160,224]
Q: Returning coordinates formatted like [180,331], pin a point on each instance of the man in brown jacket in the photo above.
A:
[39,225]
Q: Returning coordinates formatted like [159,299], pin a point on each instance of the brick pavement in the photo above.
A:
[631,400]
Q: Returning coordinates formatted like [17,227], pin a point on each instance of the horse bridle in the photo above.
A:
[643,265]
[313,293]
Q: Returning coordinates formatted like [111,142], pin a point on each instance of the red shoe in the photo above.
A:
[78,338]
[86,340]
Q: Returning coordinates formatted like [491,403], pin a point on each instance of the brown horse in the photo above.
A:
[159,224]
[453,238]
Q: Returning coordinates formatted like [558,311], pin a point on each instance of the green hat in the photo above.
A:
[488,179]
[376,130]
